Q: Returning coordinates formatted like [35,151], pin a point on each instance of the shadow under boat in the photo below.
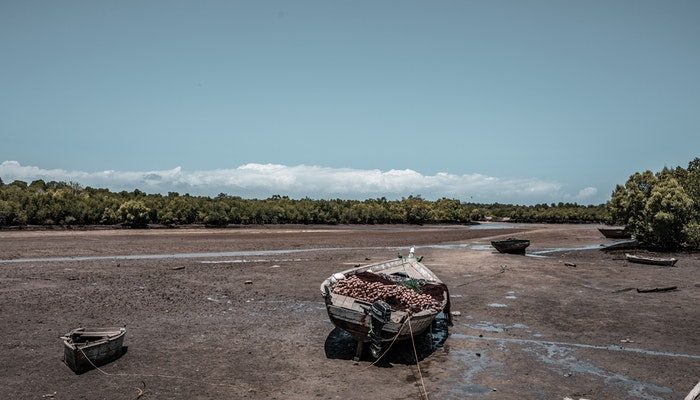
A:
[342,346]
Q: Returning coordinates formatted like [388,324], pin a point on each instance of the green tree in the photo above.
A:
[133,213]
[656,209]
[666,212]
[8,210]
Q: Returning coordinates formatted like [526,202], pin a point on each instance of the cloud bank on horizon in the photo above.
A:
[264,180]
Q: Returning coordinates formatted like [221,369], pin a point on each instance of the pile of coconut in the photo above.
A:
[400,293]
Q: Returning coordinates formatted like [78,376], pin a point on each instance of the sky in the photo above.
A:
[487,101]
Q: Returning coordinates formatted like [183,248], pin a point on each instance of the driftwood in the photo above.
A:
[661,289]
[140,391]
[694,393]
[570,264]
[177,268]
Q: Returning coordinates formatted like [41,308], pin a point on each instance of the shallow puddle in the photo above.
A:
[487,326]
[559,356]
[462,384]
[577,345]
[216,254]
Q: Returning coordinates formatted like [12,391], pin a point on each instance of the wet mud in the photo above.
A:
[238,314]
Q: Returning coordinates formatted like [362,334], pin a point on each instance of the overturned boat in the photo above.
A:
[511,246]
[87,348]
[666,262]
[383,302]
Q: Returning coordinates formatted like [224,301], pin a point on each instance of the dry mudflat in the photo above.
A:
[531,327]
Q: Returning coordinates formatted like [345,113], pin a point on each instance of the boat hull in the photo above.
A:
[664,262]
[615,233]
[515,246]
[82,357]
[353,315]
[357,324]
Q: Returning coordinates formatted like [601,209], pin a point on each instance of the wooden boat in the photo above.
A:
[511,246]
[667,262]
[85,348]
[617,232]
[378,322]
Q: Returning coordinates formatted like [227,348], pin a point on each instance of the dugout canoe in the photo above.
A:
[361,318]
[511,246]
[85,348]
[666,262]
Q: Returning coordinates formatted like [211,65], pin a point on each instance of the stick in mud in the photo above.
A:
[662,289]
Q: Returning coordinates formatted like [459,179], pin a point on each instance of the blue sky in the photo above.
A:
[510,101]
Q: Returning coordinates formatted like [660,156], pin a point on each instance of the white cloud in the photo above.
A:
[263,180]
[587,193]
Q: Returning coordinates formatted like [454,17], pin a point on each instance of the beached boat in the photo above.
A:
[366,301]
[511,246]
[85,348]
[616,232]
[667,262]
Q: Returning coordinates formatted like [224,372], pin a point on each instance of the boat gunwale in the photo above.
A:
[105,338]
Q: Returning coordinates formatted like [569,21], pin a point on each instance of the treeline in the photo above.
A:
[661,209]
[60,203]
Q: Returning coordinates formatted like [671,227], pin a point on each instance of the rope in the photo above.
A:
[504,268]
[156,375]
[415,353]
[390,344]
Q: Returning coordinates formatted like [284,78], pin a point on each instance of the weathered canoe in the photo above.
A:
[615,233]
[85,348]
[354,316]
[511,246]
[667,262]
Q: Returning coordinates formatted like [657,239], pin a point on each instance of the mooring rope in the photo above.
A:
[156,375]
[390,344]
[504,268]
[415,353]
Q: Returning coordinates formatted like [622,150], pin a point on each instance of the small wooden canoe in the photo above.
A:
[619,232]
[667,262]
[378,321]
[511,246]
[85,348]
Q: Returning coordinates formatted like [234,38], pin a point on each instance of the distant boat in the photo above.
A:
[668,262]
[511,246]
[616,232]
[86,348]
[345,294]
